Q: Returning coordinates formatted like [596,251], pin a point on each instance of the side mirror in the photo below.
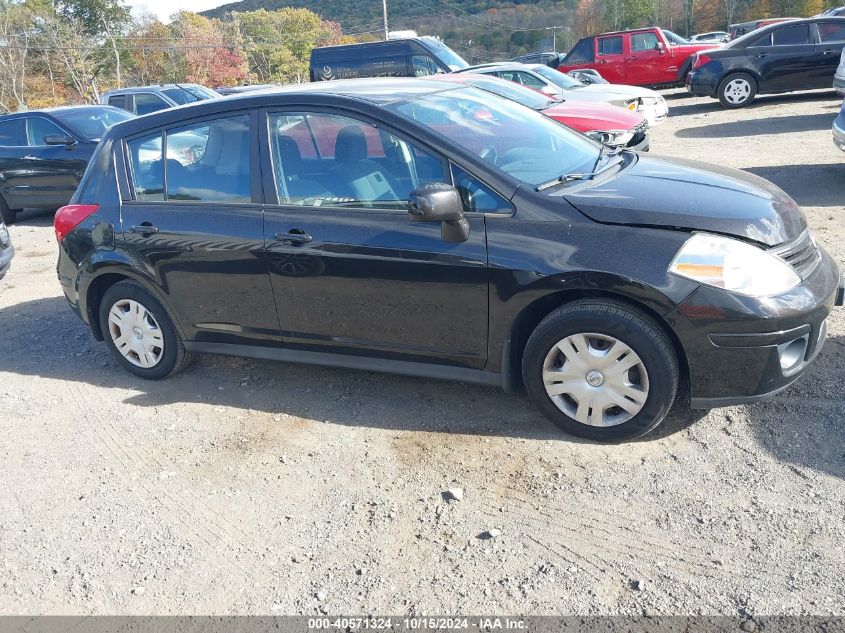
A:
[58,139]
[549,90]
[439,202]
[659,47]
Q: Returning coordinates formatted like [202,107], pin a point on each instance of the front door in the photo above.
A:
[195,226]
[610,58]
[350,272]
[831,38]
[646,62]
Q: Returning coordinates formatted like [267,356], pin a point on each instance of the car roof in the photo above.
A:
[644,28]
[147,88]
[57,110]
[377,91]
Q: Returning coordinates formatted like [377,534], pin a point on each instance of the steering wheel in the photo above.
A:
[489,154]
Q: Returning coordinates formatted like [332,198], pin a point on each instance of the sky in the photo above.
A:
[163,9]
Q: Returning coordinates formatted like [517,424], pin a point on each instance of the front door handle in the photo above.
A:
[828,51]
[294,236]
[145,229]
[29,158]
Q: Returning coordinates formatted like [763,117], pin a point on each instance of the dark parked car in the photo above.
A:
[43,154]
[783,57]
[225,91]
[7,251]
[421,228]
[550,59]
[839,129]
[409,57]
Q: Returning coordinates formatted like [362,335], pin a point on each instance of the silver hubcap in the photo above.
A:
[595,379]
[737,91]
[135,333]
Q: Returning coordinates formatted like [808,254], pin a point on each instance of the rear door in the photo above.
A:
[350,272]
[784,58]
[831,39]
[646,62]
[192,221]
[610,57]
[13,169]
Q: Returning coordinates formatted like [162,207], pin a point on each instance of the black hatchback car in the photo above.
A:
[43,154]
[782,57]
[421,228]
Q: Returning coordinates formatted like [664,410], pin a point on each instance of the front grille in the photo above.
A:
[639,135]
[802,254]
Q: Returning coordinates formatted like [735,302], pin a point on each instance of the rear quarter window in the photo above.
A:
[582,52]
[11,133]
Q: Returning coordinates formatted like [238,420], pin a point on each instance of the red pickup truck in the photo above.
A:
[641,57]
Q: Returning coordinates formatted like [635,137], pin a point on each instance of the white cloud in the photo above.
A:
[163,9]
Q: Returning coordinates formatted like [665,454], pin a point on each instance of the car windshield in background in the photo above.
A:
[558,78]
[674,38]
[447,55]
[91,123]
[189,94]
[509,90]
[522,143]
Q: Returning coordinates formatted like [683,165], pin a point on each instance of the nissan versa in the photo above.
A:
[417,227]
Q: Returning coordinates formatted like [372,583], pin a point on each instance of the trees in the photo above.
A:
[213,50]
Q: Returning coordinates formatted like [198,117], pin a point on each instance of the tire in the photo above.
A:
[6,214]
[737,90]
[607,333]
[152,348]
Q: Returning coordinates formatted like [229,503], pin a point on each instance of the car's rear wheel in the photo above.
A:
[601,369]
[737,90]
[140,333]
[6,214]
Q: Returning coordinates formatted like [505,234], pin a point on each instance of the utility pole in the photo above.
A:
[384,11]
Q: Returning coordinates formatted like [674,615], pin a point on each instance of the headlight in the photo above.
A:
[733,265]
[632,105]
[614,138]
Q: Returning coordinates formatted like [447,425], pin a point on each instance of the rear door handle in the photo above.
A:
[828,51]
[29,158]
[145,228]
[294,236]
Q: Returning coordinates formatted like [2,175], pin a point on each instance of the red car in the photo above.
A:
[611,125]
[642,57]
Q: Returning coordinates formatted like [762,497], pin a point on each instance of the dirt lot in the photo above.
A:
[252,487]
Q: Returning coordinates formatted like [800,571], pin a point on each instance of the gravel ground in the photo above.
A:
[246,487]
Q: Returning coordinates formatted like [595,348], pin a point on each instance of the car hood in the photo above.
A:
[610,91]
[586,117]
[684,194]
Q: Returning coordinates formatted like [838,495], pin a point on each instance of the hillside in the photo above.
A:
[480,30]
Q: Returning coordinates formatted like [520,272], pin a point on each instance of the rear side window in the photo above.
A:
[146,102]
[11,133]
[38,127]
[644,42]
[204,162]
[582,53]
[610,45]
[831,32]
[792,35]
[117,101]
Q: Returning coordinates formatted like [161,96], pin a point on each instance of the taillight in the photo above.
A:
[700,60]
[69,217]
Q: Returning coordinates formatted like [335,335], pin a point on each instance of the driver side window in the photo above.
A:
[326,160]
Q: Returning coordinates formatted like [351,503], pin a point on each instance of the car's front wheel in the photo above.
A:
[601,370]
[140,333]
[737,90]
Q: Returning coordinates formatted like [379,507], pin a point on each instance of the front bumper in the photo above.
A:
[839,84]
[839,132]
[6,255]
[741,349]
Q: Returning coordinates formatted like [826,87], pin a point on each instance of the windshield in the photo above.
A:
[189,94]
[91,123]
[674,38]
[516,140]
[514,92]
[558,78]
[446,54]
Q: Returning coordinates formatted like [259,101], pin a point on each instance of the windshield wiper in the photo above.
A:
[563,178]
